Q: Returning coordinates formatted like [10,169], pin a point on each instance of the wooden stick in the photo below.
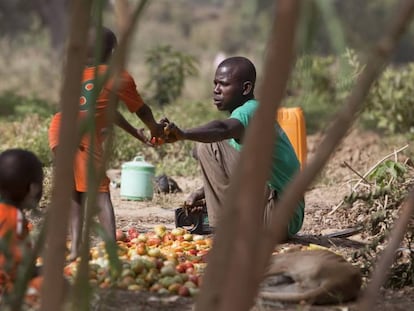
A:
[356,173]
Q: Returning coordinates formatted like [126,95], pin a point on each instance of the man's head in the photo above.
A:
[21,177]
[234,83]
[107,42]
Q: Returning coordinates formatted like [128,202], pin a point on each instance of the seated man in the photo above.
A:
[222,140]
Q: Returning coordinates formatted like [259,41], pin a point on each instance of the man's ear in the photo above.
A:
[35,191]
[247,87]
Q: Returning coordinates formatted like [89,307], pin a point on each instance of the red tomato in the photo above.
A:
[189,270]
[141,250]
[184,291]
[168,237]
[120,235]
[179,238]
[181,267]
[133,233]
[153,241]
[194,278]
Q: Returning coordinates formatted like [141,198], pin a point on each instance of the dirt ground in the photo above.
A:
[358,152]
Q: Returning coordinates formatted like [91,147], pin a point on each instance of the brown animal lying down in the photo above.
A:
[313,276]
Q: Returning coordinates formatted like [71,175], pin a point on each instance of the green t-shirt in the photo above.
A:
[285,162]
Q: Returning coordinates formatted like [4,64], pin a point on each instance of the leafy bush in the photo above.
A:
[168,70]
[319,87]
[14,106]
[390,104]
[320,84]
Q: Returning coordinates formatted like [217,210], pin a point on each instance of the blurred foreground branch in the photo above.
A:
[58,215]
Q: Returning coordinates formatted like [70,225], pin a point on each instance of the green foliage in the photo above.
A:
[168,70]
[320,84]
[387,170]
[29,133]
[14,106]
[390,103]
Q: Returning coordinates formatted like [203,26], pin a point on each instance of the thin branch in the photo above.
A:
[115,68]
[379,162]
[356,173]
[366,174]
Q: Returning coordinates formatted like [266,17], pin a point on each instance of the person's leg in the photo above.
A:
[106,214]
[217,161]
[76,222]
[295,222]
[270,199]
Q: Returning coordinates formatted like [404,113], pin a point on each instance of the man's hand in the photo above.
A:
[158,130]
[173,133]
[142,137]
[170,134]
[158,134]
[195,201]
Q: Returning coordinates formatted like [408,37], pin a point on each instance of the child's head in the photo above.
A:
[21,177]
[107,43]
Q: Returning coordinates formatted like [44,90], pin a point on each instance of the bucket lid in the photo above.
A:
[139,163]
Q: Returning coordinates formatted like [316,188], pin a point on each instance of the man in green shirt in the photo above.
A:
[221,142]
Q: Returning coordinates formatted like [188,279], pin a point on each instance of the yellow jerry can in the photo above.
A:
[292,121]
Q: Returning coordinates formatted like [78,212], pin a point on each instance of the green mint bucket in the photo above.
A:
[137,180]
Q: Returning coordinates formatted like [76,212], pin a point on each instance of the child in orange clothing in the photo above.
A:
[129,95]
[21,178]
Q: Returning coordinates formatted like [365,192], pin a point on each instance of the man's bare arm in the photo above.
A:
[213,131]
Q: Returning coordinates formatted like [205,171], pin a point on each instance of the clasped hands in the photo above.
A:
[166,132]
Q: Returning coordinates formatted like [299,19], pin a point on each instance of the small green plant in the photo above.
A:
[168,70]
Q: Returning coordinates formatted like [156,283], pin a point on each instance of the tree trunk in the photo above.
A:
[122,15]
[54,15]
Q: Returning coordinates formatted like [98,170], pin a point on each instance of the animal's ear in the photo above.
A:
[247,87]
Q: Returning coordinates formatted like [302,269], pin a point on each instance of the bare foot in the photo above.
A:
[74,253]
[72,257]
